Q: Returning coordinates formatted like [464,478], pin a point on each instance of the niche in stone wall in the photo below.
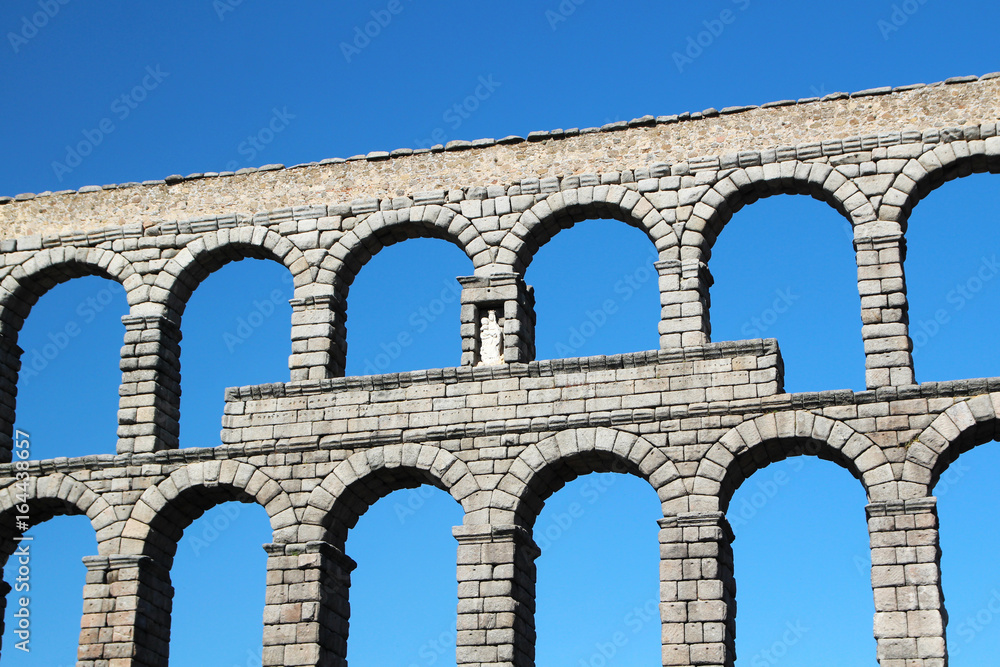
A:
[489,322]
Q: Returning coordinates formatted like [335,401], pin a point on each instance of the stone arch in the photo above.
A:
[945,162]
[53,495]
[160,516]
[344,495]
[772,437]
[543,468]
[958,429]
[208,253]
[561,210]
[28,281]
[384,228]
[719,202]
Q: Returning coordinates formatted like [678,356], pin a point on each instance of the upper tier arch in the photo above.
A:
[206,254]
[356,247]
[26,282]
[539,224]
[720,201]
[922,175]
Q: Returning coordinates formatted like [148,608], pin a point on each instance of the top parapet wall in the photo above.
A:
[671,140]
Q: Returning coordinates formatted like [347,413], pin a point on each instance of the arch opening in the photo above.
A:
[722,201]
[372,235]
[46,571]
[787,270]
[356,493]
[952,283]
[206,256]
[778,450]
[238,333]
[47,269]
[43,563]
[589,302]
[405,309]
[969,541]
[68,385]
[556,475]
[214,621]
[599,527]
[357,499]
[405,556]
[945,163]
[802,565]
[161,536]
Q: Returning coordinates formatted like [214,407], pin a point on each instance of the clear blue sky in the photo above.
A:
[224,69]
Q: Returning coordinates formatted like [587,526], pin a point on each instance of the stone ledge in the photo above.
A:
[545,368]
[777,403]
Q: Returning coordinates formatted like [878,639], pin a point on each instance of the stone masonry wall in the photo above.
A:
[693,419]
[632,144]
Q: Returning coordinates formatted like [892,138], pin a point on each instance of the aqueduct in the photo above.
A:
[694,419]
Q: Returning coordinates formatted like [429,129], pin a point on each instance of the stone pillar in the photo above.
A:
[496,596]
[513,304]
[684,302]
[884,311]
[306,608]
[906,579]
[149,407]
[126,613]
[697,590]
[10,364]
[319,338]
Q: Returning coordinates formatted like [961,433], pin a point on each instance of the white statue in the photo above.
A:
[490,341]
